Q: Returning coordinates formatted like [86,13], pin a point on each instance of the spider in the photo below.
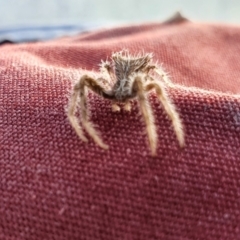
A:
[123,78]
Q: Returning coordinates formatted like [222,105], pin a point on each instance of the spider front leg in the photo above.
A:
[147,113]
[169,108]
[79,89]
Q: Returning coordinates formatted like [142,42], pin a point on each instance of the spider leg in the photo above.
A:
[169,108]
[164,76]
[106,67]
[147,113]
[71,115]
[79,88]
[160,72]
[105,82]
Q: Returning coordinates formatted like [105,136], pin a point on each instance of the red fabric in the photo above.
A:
[54,186]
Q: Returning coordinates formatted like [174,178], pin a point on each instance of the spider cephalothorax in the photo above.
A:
[125,77]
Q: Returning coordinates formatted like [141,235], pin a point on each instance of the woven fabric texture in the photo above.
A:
[54,186]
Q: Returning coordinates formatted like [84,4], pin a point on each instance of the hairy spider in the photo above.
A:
[125,77]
